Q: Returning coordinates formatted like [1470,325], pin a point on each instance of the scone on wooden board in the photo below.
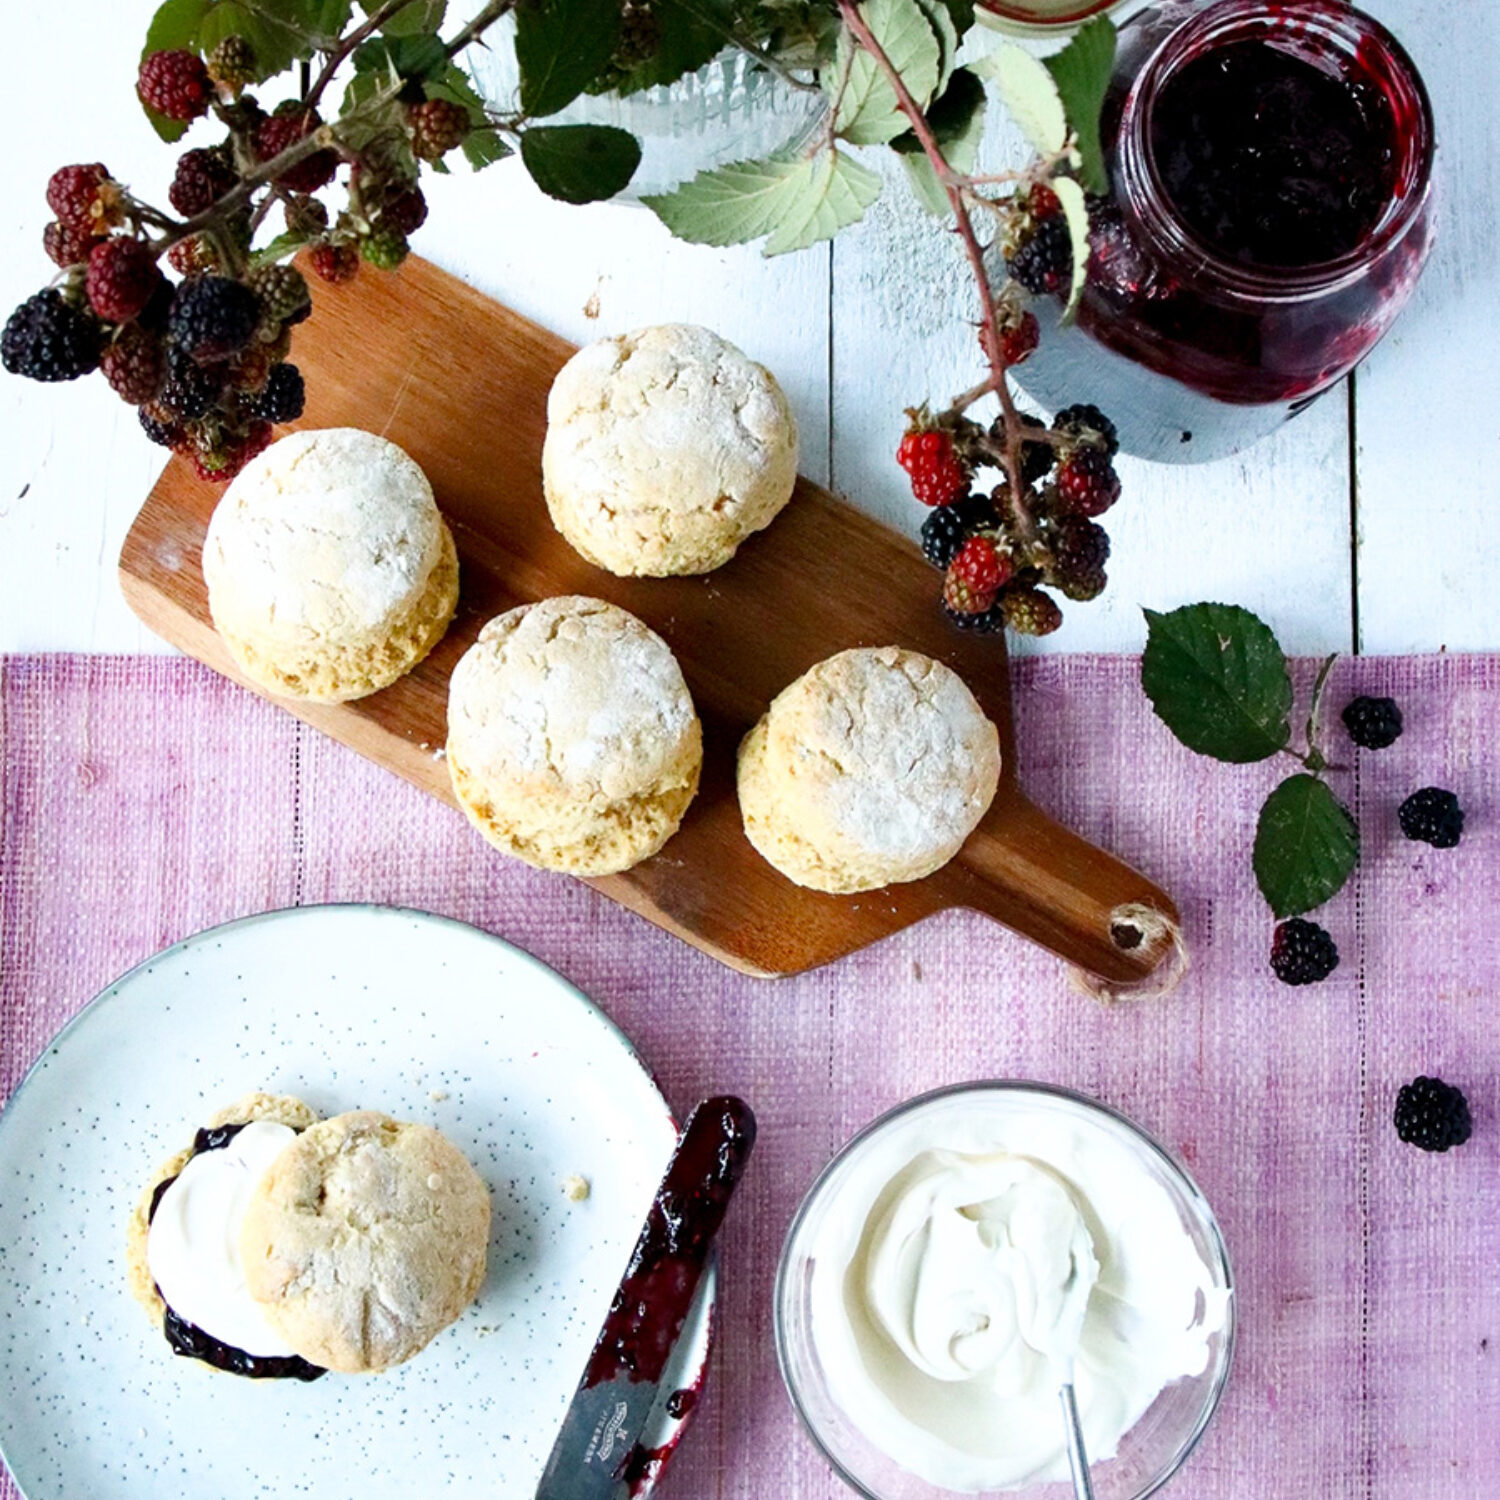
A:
[573,742]
[665,449]
[872,767]
[365,1239]
[330,572]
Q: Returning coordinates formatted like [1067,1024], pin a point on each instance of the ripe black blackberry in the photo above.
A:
[47,338]
[191,390]
[213,316]
[1080,549]
[948,527]
[1432,1115]
[1043,262]
[1373,723]
[1088,424]
[1432,816]
[283,397]
[1303,953]
[987,622]
[165,432]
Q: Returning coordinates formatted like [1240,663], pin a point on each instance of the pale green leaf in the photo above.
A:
[796,202]
[1075,210]
[960,144]
[868,111]
[1082,72]
[1029,92]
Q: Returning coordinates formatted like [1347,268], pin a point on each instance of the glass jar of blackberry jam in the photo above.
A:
[1269,214]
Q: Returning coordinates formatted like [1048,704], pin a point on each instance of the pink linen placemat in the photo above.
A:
[147,798]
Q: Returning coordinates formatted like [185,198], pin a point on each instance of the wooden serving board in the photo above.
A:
[461,383]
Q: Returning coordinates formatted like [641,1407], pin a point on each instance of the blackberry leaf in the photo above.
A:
[1306,846]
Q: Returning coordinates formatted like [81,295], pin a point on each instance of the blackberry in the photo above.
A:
[283,294]
[134,365]
[47,338]
[437,126]
[283,398]
[201,179]
[194,255]
[213,316]
[960,597]
[1303,953]
[305,215]
[1087,484]
[1432,1115]
[1089,425]
[191,390]
[159,429]
[175,83]
[1029,611]
[949,527]
[1432,816]
[1043,262]
[385,249]
[987,622]
[85,198]
[1036,458]
[65,246]
[232,64]
[1373,723]
[1080,549]
[406,212]
[277,133]
[336,263]
[121,277]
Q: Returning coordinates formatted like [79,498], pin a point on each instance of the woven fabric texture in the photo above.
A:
[146,798]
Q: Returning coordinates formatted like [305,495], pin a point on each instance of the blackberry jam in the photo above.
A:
[1269,215]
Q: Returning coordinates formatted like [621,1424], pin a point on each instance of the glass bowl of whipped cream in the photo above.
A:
[963,1256]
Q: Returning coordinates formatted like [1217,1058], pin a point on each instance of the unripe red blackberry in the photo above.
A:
[135,365]
[1018,341]
[405,212]
[336,263]
[65,246]
[279,132]
[437,126]
[937,475]
[194,255]
[981,565]
[960,597]
[121,276]
[85,198]
[1087,484]
[175,83]
[201,179]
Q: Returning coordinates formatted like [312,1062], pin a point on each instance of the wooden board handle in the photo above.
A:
[1026,870]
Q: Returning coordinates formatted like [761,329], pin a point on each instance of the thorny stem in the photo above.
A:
[1315,760]
[990,318]
[335,60]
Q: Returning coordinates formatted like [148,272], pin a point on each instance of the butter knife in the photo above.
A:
[598,1453]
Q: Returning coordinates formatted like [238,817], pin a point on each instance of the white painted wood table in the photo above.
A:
[1366,524]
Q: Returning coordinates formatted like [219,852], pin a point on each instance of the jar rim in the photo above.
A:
[1340,26]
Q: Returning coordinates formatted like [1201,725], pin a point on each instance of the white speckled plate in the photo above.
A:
[346,1006]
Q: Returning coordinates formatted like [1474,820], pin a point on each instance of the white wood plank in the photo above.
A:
[1268,528]
[1428,427]
[74,465]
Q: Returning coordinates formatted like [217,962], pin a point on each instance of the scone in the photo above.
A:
[365,1239]
[572,739]
[872,767]
[665,449]
[181,1256]
[330,572]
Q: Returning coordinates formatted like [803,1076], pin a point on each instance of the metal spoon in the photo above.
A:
[1078,1458]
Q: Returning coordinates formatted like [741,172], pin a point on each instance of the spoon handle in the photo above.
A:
[1078,1459]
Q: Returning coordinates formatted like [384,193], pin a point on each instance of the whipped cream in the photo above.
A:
[193,1248]
[969,1262]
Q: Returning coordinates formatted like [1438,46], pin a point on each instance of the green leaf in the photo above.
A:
[690,33]
[414,57]
[562,46]
[794,202]
[1218,680]
[580,163]
[1028,91]
[1076,211]
[868,112]
[1081,72]
[961,12]
[941,21]
[481,148]
[278,249]
[1306,846]
[410,20]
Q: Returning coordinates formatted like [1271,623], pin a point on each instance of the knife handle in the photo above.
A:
[667,1263]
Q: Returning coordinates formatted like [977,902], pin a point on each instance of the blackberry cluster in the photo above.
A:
[1373,723]
[1067,478]
[1432,1115]
[1432,816]
[1303,952]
